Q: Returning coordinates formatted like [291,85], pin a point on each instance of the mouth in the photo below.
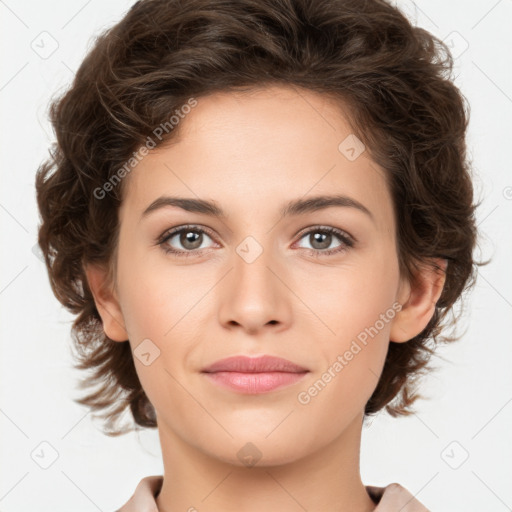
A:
[254,375]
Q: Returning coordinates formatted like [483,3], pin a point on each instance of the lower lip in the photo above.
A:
[255,383]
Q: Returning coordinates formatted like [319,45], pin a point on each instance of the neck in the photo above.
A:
[328,479]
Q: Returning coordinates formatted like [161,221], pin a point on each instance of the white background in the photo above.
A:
[470,394]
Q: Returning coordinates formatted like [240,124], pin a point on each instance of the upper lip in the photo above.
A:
[245,364]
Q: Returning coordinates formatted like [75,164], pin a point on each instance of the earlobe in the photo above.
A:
[106,302]
[420,302]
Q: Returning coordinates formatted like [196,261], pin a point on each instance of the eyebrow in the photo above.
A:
[294,207]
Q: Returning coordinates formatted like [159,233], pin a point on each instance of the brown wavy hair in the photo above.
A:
[396,80]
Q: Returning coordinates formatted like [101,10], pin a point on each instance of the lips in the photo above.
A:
[261,364]
[254,375]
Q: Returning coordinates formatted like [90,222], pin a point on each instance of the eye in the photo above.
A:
[191,239]
[321,238]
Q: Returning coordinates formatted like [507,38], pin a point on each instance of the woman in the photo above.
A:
[261,213]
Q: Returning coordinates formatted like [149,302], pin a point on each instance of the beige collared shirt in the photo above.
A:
[392,498]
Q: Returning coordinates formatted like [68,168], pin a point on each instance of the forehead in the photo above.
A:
[254,146]
[286,112]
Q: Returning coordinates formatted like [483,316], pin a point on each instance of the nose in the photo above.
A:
[254,295]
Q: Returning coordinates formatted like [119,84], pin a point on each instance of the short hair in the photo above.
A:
[395,82]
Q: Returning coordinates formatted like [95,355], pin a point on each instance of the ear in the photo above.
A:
[418,300]
[106,301]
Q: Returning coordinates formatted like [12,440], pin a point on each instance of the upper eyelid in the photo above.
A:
[323,227]
[178,229]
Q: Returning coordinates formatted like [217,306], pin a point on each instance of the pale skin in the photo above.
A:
[250,154]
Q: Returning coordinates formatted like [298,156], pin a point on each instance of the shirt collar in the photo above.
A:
[391,498]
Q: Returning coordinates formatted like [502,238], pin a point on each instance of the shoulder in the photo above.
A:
[143,498]
[394,497]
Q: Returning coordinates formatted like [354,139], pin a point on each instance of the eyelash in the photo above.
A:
[347,241]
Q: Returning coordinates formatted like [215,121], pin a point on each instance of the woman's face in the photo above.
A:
[264,278]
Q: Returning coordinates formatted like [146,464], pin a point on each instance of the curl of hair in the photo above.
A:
[394,81]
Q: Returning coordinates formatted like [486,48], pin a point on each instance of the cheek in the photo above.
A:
[159,310]
[159,300]
[356,310]
[352,356]
[168,308]
[353,297]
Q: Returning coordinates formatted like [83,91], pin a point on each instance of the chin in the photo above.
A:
[254,451]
